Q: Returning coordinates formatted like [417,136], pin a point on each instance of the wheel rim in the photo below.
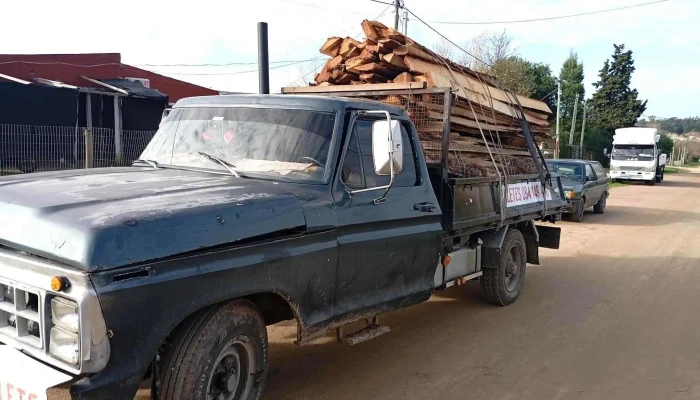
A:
[232,376]
[513,268]
[580,211]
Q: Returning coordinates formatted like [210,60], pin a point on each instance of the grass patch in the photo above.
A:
[673,170]
[618,184]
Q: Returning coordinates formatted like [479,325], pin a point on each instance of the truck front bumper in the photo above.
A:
[572,206]
[632,175]
[25,378]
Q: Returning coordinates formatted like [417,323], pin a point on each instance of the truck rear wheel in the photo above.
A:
[219,354]
[502,285]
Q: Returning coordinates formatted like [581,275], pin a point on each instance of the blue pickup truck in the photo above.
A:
[242,212]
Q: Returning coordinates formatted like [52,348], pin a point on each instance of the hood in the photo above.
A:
[570,184]
[104,218]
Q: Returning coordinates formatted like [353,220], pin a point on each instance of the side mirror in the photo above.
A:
[387,147]
[387,151]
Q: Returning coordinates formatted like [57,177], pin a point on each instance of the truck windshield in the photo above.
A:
[573,171]
[633,152]
[278,143]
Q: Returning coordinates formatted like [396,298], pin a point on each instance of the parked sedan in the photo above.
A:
[585,184]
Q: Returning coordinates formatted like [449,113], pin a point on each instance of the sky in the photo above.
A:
[664,37]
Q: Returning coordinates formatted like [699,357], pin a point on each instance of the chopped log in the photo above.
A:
[369,30]
[369,55]
[355,62]
[332,46]
[372,78]
[395,61]
[343,78]
[348,45]
[404,77]
[402,50]
[334,63]
[356,51]
[373,68]
[357,88]
[325,84]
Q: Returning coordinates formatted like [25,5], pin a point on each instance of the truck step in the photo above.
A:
[365,334]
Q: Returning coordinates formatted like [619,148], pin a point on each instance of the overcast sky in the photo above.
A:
[665,37]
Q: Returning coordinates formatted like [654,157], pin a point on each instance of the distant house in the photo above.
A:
[48,100]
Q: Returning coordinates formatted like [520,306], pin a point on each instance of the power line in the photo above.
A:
[324,8]
[446,38]
[219,65]
[548,18]
[233,73]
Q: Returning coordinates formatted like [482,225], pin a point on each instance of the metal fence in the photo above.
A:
[32,148]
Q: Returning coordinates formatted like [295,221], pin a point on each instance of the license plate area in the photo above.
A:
[22,377]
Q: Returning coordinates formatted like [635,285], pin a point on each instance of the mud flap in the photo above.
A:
[550,236]
[491,247]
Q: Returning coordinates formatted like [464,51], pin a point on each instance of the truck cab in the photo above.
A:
[243,211]
[636,156]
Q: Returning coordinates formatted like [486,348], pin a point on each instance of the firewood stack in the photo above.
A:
[479,105]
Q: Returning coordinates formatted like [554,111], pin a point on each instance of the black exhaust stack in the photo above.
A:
[263,59]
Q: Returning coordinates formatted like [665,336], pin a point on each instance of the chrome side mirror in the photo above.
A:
[387,151]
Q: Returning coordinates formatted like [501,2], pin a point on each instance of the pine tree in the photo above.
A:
[571,77]
[615,104]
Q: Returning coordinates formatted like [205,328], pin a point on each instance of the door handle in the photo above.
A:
[425,207]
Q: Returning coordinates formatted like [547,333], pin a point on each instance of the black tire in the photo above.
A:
[499,285]
[577,214]
[223,348]
[599,207]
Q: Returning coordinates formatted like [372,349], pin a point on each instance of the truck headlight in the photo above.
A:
[648,169]
[614,168]
[570,194]
[64,341]
[64,314]
[64,345]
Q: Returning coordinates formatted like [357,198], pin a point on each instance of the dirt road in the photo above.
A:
[613,314]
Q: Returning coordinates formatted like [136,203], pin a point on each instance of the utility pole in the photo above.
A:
[556,145]
[397,6]
[583,125]
[405,23]
[573,122]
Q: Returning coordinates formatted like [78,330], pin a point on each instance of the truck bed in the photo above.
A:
[468,204]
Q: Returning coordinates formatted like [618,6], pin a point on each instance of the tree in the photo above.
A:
[571,78]
[515,74]
[488,48]
[615,104]
[545,86]
[443,48]
[666,144]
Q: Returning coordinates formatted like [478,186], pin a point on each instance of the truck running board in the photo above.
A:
[373,330]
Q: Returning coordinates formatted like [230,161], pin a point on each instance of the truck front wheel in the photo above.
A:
[220,353]
[501,286]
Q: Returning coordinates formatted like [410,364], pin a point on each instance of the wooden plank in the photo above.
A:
[343,78]
[372,78]
[404,77]
[332,46]
[401,50]
[356,88]
[356,51]
[419,65]
[395,60]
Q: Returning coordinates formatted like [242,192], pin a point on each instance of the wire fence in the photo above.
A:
[32,148]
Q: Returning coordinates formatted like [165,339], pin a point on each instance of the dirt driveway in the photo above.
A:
[613,314]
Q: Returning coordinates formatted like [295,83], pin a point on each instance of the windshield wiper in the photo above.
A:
[149,162]
[229,167]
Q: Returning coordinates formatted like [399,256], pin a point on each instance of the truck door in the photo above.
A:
[388,252]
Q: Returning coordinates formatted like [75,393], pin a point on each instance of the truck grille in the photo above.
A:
[20,316]
[631,168]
